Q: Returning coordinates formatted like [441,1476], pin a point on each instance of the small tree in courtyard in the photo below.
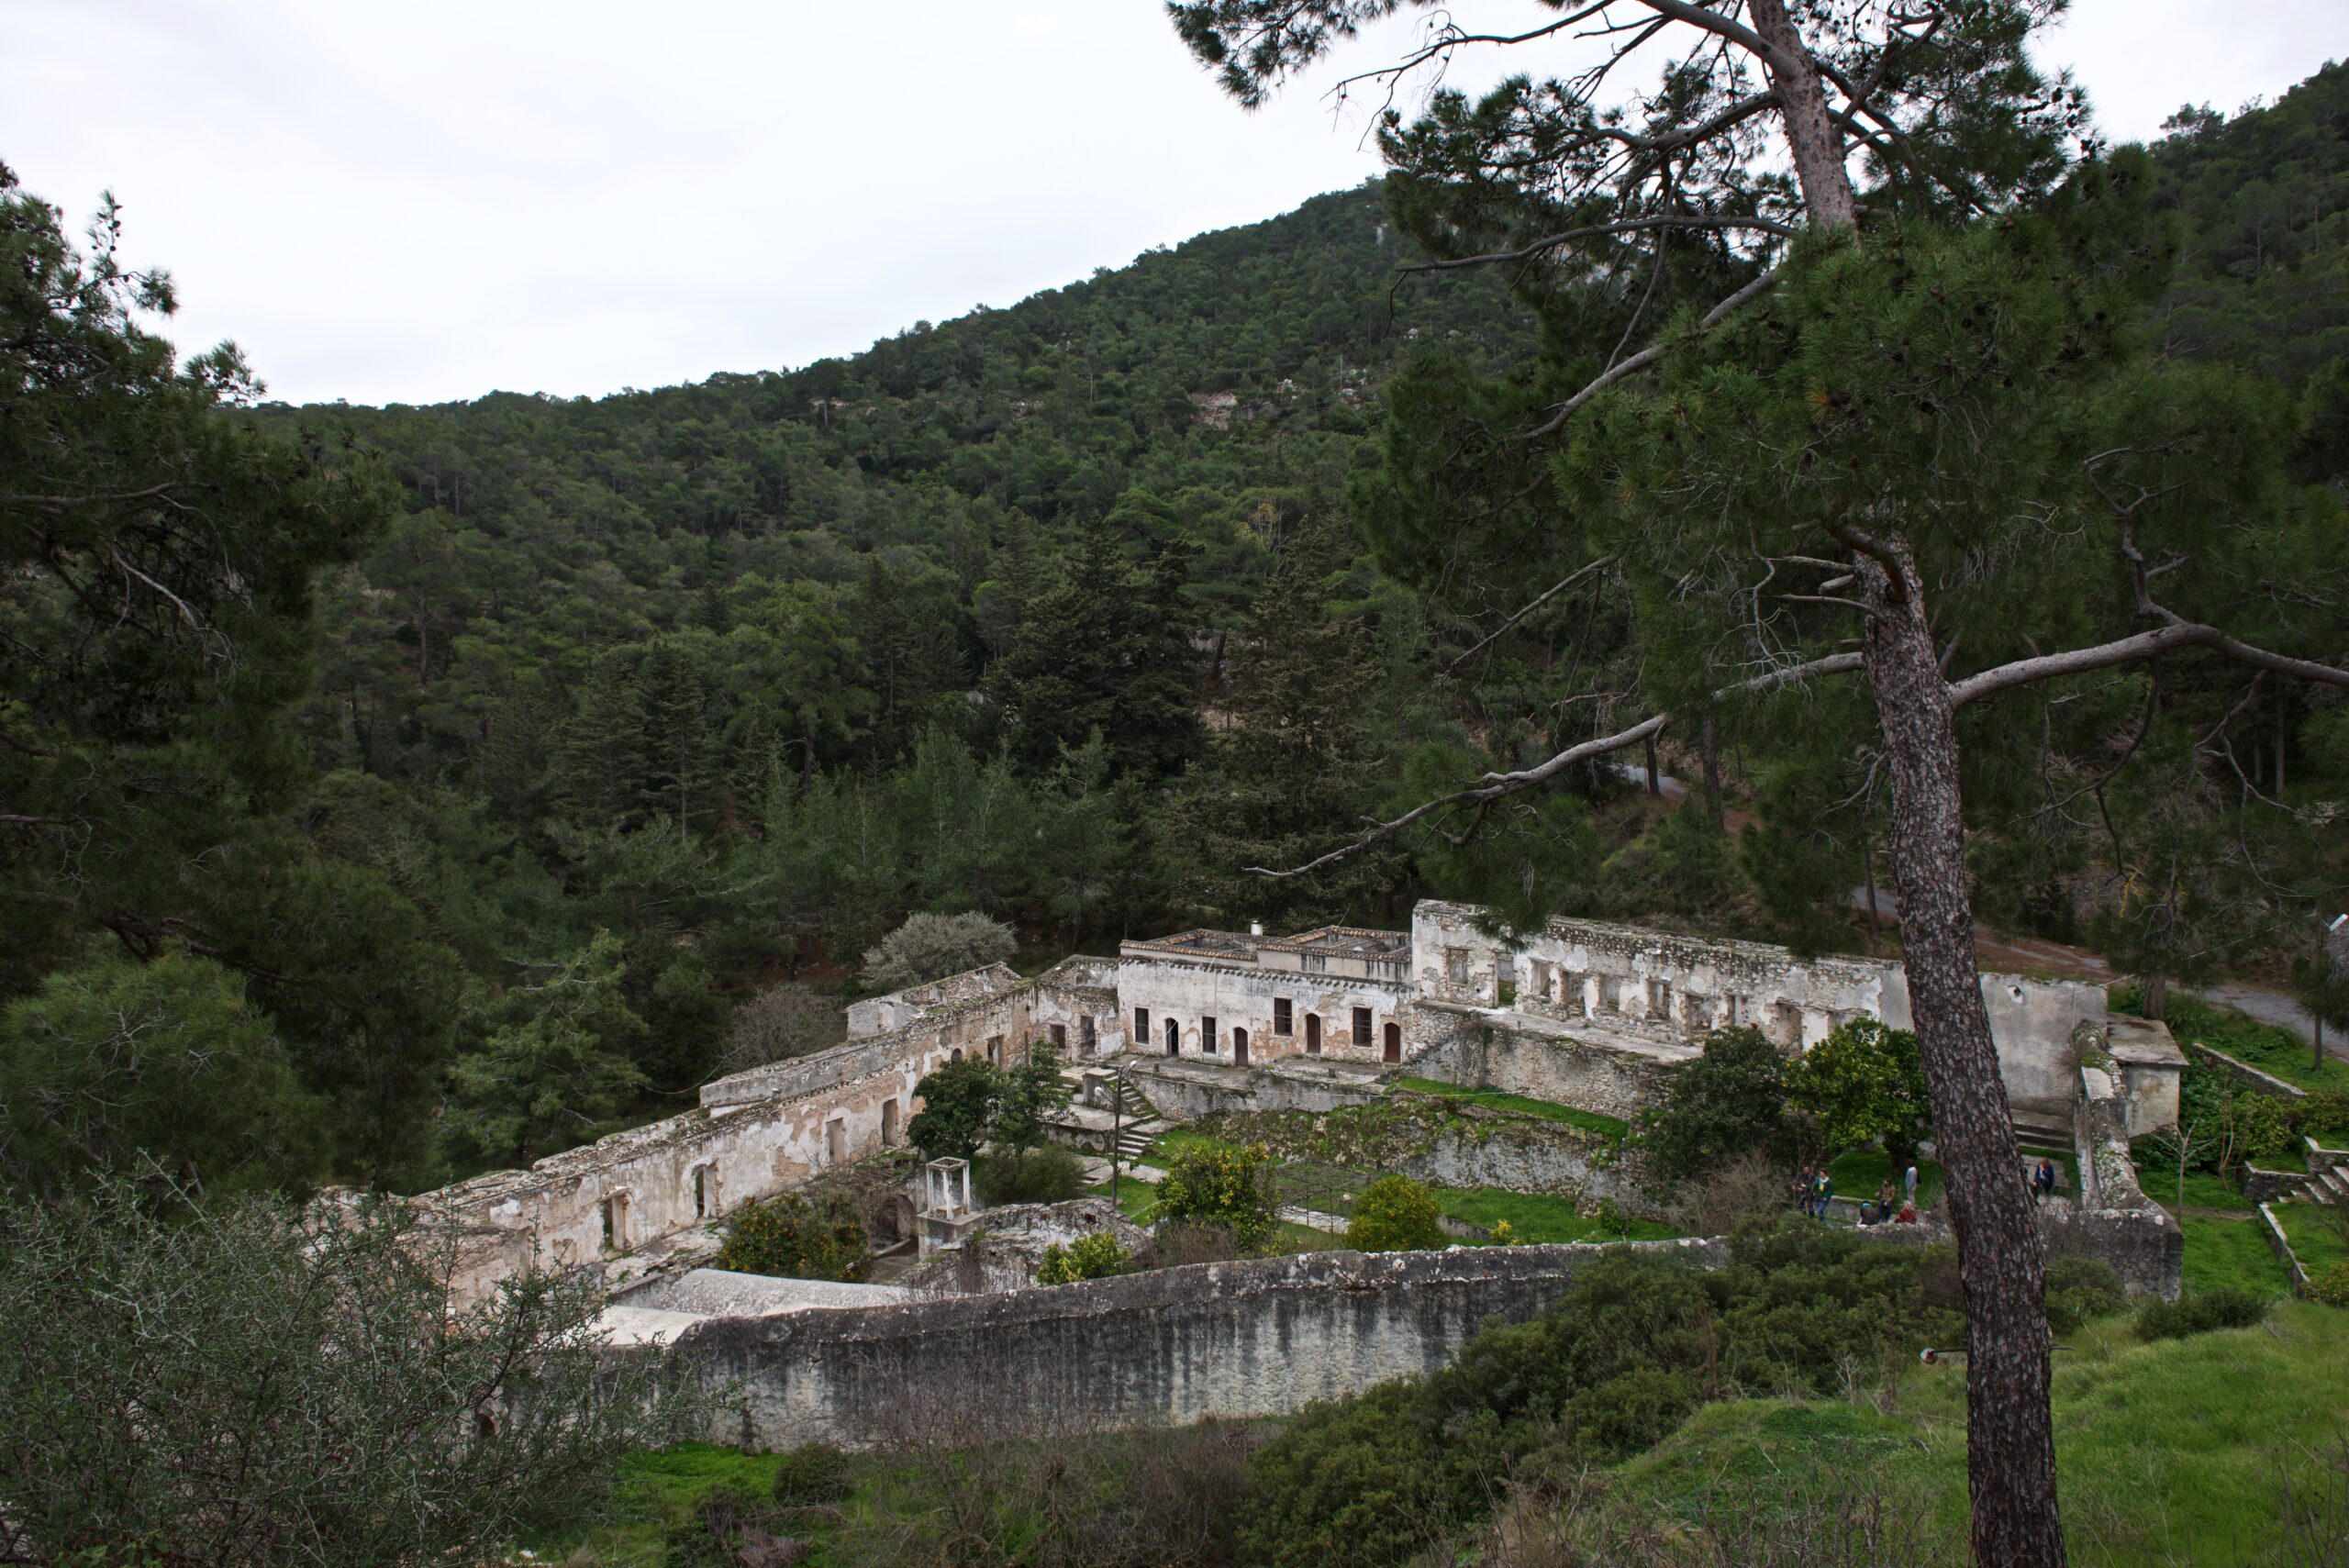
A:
[796,1236]
[1729,1101]
[1220,1185]
[958,1102]
[1032,1094]
[1863,1081]
[1395,1214]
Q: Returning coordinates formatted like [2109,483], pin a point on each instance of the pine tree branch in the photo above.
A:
[1500,787]
[1622,226]
[2128,650]
[1552,592]
[1648,356]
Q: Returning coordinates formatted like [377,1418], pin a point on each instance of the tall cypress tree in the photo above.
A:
[675,774]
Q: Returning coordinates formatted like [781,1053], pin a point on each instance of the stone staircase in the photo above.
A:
[1143,1124]
[2330,1186]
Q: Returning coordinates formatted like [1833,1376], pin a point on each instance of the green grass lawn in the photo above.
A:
[2166,1452]
[1137,1200]
[2271,1050]
[658,1493]
[1859,1171]
[1174,1141]
[1537,1217]
[1589,1121]
[2314,1240]
[2203,1189]
[2232,1252]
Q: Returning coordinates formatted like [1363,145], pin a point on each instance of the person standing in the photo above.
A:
[1909,1185]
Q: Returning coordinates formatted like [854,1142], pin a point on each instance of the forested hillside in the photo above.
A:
[619,713]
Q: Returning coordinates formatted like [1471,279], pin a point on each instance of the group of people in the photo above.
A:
[1815,1191]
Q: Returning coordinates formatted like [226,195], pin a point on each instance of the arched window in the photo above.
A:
[1174,1038]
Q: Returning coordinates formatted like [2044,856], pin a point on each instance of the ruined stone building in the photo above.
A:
[1585,1014]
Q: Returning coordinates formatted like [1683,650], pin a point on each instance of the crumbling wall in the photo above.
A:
[1261,1337]
[1007,1246]
[1610,1078]
[2112,1220]
[755,1134]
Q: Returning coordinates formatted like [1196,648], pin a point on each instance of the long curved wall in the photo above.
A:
[1263,1337]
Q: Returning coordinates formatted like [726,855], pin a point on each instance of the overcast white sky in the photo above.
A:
[432,199]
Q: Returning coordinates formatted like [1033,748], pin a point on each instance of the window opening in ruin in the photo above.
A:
[1455,965]
[1313,962]
[1659,998]
[889,1122]
[1740,1010]
[835,1140]
[1540,989]
[1394,1051]
[1362,1026]
[701,1192]
[1060,1037]
[1312,1034]
[1174,1038]
[1086,1033]
[1207,1041]
[958,1054]
[1141,1028]
[995,1051]
[1240,1047]
[616,1223]
[1281,1016]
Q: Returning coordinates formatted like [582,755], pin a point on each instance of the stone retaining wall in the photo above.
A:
[1261,1337]
[1589,1076]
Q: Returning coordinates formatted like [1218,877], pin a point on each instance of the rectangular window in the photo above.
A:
[995,1051]
[1455,965]
[1086,1023]
[1280,1015]
[1362,1027]
[1060,1037]
[1142,1028]
[1659,998]
[1740,1010]
[1207,1036]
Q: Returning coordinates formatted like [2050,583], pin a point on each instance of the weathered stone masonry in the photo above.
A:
[1263,1337]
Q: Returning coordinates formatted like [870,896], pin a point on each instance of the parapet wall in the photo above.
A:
[1263,1337]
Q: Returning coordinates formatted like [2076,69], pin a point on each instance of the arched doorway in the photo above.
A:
[1240,1047]
[1394,1051]
[1174,1038]
[1312,1034]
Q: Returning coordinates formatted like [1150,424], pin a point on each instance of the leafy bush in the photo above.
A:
[931,946]
[795,1237]
[1863,1081]
[1729,1101]
[957,1101]
[1222,1185]
[1098,1255]
[2200,1313]
[2079,1289]
[811,1475]
[2330,1285]
[1049,1175]
[1395,1214]
[1635,1344]
[320,1400]
[1173,1246]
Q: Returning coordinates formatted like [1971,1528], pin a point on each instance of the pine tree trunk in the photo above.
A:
[2011,1445]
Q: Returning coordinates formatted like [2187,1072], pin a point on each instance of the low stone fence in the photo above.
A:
[2243,1072]
[1261,1337]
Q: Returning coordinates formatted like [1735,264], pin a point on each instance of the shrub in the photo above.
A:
[931,946]
[778,1024]
[811,1475]
[2079,1289]
[1729,1101]
[1218,1184]
[957,1101]
[1049,1175]
[1096,1256]
[2225,1307]
[1863,1081]
[2330,1285]
[1395,1214]
[795,1237]
[1175,1245]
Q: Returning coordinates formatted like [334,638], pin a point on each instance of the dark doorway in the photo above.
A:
[1312,1034]
[1174,1038]
[1209,1040]
[1393,1042]
[1240,1047]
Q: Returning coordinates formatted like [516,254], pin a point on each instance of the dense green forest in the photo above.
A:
[563,728]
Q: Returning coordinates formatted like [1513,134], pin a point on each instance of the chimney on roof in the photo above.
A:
[1255,927]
